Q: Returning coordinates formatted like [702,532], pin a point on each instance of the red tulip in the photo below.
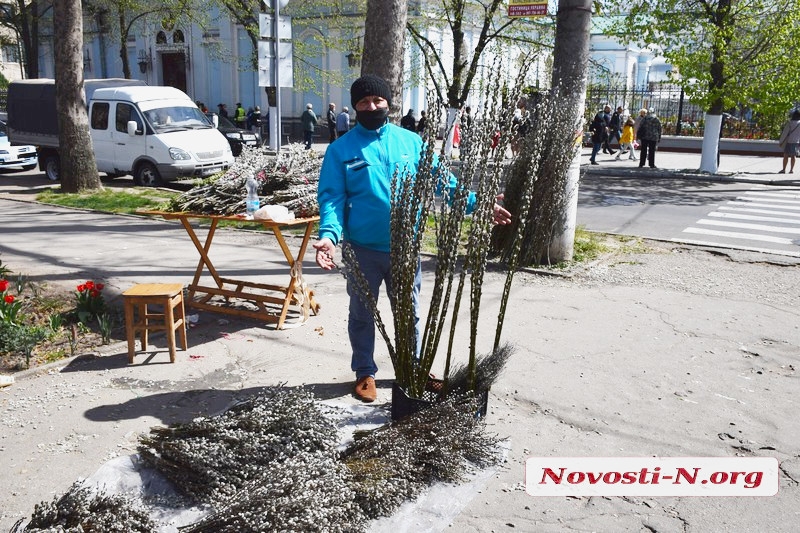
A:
[9,298]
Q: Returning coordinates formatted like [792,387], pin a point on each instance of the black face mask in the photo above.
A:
[372,120]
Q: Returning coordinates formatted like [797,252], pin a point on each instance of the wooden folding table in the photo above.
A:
[273,302]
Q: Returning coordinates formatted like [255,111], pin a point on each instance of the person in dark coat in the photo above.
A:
[606,136]
[599,131]
[421,123]
[331,118]
[649,135]
[408,121]
[309,122]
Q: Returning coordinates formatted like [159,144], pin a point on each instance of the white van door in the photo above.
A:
[128,148]
[102,136]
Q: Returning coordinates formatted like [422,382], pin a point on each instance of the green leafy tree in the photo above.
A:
[130,15]
[725,52]
[22,18]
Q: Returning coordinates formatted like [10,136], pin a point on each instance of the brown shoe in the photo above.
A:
[365,389]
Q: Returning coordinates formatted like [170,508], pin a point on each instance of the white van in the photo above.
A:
[154,133]
[157,134]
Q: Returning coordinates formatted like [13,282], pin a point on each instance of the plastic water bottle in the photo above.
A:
[252,202]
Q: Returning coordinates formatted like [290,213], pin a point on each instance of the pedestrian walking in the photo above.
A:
[343,122]
[599,130]
[615,128]
[638,121]
[649,136]
[355,205]
[309,122]
[408,121]
[607,119]
[331,118]
[240,116]
[626,141]
[790,141]
[422,121]
[255,120]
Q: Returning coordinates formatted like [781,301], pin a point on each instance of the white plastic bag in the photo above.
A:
[278,213]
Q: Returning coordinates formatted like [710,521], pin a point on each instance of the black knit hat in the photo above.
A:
[370,85]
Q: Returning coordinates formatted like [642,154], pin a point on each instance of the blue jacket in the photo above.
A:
[355,184]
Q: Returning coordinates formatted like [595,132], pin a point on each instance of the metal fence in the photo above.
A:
[669,103]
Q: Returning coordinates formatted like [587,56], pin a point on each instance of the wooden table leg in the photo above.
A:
[130,329]
[296,280]
[202,249]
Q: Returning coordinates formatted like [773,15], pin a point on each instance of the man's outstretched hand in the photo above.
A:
[325,251]
[501,214]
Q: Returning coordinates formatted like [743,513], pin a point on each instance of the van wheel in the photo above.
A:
[236,149]
[147,175]
[51,167]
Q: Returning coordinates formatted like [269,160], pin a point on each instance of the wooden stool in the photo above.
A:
[167,295]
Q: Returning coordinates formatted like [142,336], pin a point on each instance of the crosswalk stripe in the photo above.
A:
[745,225]
[737,247]
[761,211]
[761,215]
[771,206]
[785,194]
[737,235]
[738,216]
[765,199]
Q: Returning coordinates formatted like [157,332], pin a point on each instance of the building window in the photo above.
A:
[10,53]
[177,36]
[161,38]
[211,35]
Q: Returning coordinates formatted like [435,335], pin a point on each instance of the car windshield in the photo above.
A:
[224,122]
[176,118]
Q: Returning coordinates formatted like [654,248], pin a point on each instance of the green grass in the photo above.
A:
[109,200]
[588,245]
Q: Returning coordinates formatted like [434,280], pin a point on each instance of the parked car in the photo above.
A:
[237,137]
[21,157]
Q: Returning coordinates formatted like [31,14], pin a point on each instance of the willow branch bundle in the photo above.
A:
[289,179]
[479,242]
[396,462]
[212,458]
[80,509]
[487,369]
[309,492]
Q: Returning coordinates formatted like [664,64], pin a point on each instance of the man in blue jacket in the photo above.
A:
[355,204]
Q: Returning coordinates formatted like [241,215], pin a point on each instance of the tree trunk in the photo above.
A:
[570,60]
[78,169]
[123,46]
[709,156]
[384,46]
[29,33]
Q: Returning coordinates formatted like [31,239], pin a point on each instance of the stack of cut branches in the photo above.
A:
[289,179]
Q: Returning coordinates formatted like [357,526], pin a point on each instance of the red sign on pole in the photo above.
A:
[526,8]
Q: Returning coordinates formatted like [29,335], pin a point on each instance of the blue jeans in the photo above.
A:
[595,148]
[376,268]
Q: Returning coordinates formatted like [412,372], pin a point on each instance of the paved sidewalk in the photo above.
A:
[734,168]
[675,353]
